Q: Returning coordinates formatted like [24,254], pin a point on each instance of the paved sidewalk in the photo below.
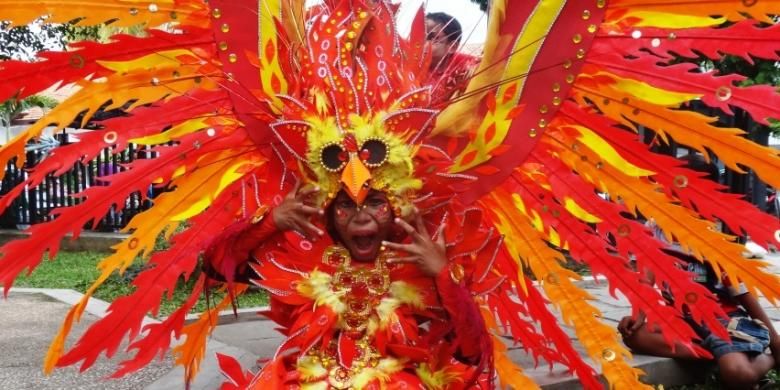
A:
[28,322]
[31,317]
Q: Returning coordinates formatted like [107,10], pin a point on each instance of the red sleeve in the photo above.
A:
[470,332]
[229,253]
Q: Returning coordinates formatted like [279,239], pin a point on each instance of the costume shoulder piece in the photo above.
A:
[240,100]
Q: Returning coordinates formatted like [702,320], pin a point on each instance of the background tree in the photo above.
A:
[483,4]
[22,42]
[12,108]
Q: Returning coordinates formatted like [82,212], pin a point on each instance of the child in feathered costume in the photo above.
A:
[261,114]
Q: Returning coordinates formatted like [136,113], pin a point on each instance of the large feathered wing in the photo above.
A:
[551,119]
[174,87]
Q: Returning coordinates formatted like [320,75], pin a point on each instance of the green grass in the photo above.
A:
[77,271]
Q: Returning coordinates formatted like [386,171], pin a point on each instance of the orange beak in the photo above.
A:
[355,177]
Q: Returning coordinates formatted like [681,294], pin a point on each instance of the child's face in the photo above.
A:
[363,228]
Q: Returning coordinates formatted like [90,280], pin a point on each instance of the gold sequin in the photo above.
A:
[585,15]
[723,93]
[609,355]
[110,137]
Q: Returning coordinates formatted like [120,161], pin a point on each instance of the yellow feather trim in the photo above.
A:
[577,211]
[272,78]
[382,372]
[668,20]
[310,369]
[608,153]
[163,59]
[436,380]
[649,93]
[317,287]
[400,293]
[395,176]
[321,385]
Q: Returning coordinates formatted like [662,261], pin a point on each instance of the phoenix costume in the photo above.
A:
[240,100]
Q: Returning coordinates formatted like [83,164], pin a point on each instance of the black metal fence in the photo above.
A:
[35,204]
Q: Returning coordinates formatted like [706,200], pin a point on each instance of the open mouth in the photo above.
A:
[364,242]
[364,245]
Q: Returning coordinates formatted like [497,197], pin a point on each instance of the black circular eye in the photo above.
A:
[373,152]
[333,157]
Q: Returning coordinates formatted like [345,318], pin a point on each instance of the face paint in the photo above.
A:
[376,206]
[341,213]
[362,229]
[382,211]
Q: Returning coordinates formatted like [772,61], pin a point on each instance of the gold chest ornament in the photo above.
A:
[361,287]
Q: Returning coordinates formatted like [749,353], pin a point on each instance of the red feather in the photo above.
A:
[27,253]
[632,238]
[231,369]
[67,67]
[743,39]
[125,315]
[347,350]
[761,101]
[523,332]
[60,160]
[588,247]
[570,357]
[158,340]
[705,196]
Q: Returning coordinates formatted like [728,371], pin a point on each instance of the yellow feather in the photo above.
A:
[400,293]
[321,385]
[436,380]
[270,70]
[696,235]
[526,243]
[608,153]
[685,127]
[579,212]
[650,93]
[182,129]
[318,287]
[383,370]
[668,20]
[162,59]
[494,124]
[310,368]
[22,12]
[660,12]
